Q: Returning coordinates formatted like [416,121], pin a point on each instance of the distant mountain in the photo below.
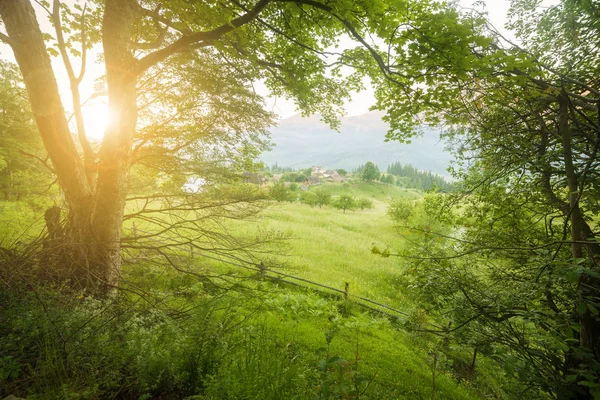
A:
[303,142]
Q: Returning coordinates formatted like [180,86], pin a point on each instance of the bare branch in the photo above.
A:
[43,161]
[88,152]
[83,46]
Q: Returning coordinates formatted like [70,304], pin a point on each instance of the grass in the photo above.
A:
[332,247]
[19,222]
[270,343]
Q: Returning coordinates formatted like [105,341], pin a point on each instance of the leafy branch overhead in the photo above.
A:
[170,121]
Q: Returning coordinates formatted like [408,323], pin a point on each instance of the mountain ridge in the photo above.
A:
[301,142]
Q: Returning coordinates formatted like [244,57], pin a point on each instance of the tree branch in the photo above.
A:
[355,34]
[155,15]
[6,39]
[83,46]
[88,152]
[208,36]
[43,161]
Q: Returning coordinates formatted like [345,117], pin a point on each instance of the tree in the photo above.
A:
[283,42]
[342,171]
[524,121]
[364,204]
[281,193]
[322,198]
[370,172]
[345,202]
[400,210]
[309,198]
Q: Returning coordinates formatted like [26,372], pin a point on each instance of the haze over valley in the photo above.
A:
[301,142]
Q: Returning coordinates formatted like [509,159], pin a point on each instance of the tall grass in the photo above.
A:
[331,247]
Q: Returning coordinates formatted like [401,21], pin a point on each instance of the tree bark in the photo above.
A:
[30,52]
[96,207]
[90,251]
[588,286]
[116,150]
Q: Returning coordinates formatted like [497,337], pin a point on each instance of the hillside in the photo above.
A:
[302,142]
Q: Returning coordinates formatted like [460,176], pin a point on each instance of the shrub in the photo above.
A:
[400,210]
[364,204]
[308,198]
[280,192]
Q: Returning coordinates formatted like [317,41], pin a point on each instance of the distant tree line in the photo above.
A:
[277,169]
[416,178]
[317,198]
[402,175]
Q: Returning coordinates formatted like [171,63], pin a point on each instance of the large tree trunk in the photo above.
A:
[115,154]
[90,249]
[30,52]
[582,239]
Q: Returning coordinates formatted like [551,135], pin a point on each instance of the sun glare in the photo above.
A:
[96,117]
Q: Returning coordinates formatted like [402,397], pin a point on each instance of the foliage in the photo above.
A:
[386,178]
[400,210]
[23,171]
[417,179]
[308,197]
[280,192]
[293,177]
[345,202]
[364,204]
[370,172]
[234,345]
[342,171]
[322,197]
[520,273]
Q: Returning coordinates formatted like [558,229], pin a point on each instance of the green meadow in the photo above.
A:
[328,246]
[331,247]
[183,339]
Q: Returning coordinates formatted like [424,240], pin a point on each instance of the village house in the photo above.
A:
[310,181]
[254,178]
[333,176]
[317,171]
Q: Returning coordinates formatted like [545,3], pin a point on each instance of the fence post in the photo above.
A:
[192,250]
[346,290]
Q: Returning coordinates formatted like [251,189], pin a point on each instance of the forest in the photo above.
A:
[147,253]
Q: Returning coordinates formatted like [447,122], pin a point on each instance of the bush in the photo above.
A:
[308,198]
[280,192]
[57,343]
[400,210]
[364,204]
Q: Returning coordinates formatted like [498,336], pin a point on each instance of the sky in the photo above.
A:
[96,111]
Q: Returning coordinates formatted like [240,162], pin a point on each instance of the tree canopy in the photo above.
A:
[179,82]
[369,172]
[523,122]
